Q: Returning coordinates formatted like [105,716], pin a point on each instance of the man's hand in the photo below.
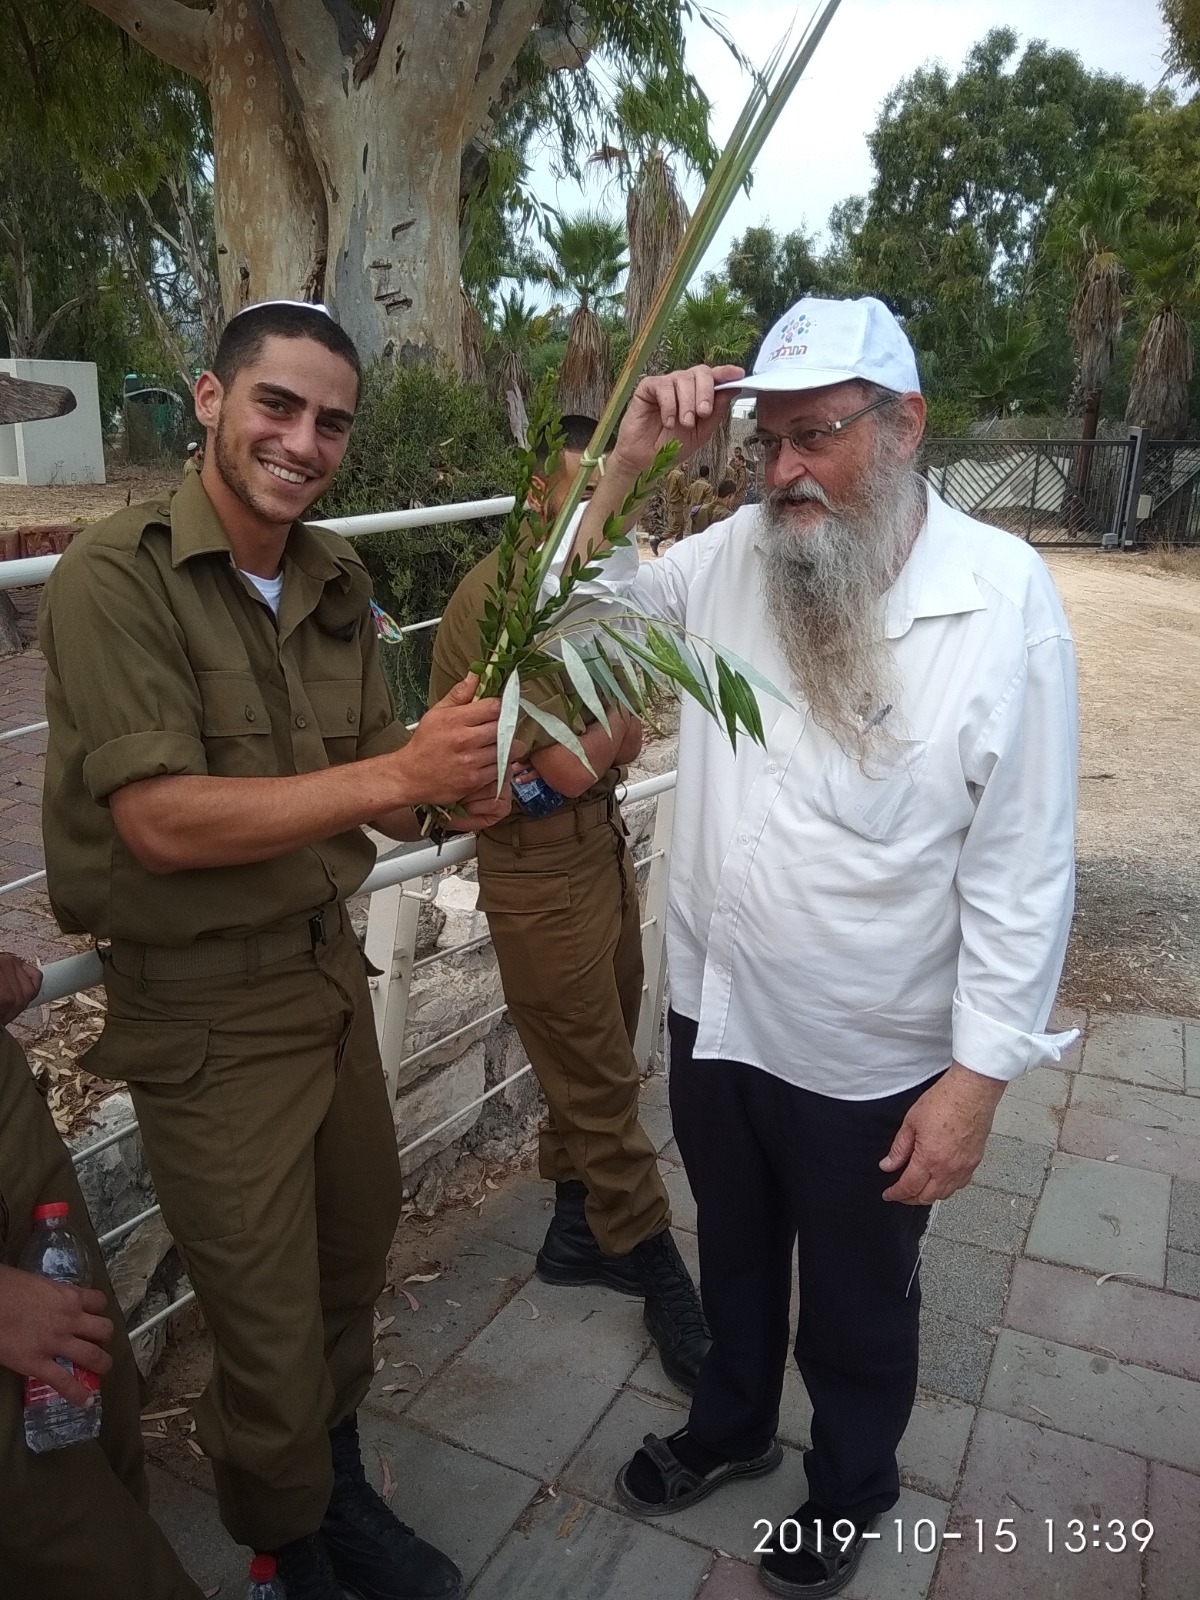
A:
[41,1320]
[19,983]
[940,1142]
[678,405]
[483,809]
[453,748]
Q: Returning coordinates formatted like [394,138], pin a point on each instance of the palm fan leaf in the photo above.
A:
[1162,376]
[656,219]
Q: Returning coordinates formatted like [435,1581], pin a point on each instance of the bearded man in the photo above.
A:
[867,916]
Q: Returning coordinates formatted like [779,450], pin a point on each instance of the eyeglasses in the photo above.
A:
[812,441]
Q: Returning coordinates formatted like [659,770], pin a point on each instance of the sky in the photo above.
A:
[817,153]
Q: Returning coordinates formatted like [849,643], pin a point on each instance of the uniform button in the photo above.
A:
[250,713]
[302,722]
[351,714]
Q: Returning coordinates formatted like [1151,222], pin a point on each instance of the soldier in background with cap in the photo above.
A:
[867,918]
[219,731]
[557,883]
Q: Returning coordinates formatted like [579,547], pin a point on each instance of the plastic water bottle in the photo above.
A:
[56,1251]
[264,1585]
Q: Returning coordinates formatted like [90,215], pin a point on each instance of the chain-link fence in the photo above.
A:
[1169,493]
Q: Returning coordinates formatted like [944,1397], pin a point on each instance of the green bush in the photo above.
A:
[421,438]
[948,418]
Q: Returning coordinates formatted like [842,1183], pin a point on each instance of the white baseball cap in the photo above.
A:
[819,342]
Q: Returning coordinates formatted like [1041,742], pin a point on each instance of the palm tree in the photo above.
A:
[585,260]
[1090,235]
[713,326]
[1163,268]
[518,329]
[1003,374]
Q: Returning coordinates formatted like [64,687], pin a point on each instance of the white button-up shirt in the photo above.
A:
[849,933]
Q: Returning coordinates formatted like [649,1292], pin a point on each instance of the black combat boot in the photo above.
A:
[304,1570]
[570,1254]
[673,1314]
[371,1551]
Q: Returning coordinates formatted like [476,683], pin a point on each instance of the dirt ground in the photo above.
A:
[85,502]
[1136,941]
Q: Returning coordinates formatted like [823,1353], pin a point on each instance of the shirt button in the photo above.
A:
[302,722]
[350,714]
[250,714]
[745,838]
[772,768]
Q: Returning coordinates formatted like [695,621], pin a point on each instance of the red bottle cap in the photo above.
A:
[262,1569]
[57,1208]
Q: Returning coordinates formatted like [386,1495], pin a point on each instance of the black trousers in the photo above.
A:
[771,1164]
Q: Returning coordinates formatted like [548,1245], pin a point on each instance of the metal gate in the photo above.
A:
[1064,492]
[1167,509]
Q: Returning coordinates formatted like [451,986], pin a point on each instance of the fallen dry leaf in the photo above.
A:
[413,1303]
[534,1313]
[389,1485]
[567,1525]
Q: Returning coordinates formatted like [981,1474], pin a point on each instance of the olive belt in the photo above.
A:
[567,823]
[218,958]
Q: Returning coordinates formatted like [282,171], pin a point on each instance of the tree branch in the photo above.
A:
[511,26]
[10,329]
[168,29]
[55,317]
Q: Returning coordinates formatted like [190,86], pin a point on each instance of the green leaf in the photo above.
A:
[558,731]
[751,673]
[506,728]
[581,678]
[600,669]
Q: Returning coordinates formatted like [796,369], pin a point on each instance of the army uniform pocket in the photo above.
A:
[187,1117]
[533,931]
[234,725]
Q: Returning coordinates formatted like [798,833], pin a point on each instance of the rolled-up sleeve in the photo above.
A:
[120,657]
[1016,873]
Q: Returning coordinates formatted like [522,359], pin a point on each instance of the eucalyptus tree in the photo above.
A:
[347,133]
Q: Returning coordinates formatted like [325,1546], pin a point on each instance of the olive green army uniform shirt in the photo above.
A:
[457,646]
[163,659]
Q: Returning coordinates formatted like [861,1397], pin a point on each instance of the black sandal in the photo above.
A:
[682,1487]
[777,1567]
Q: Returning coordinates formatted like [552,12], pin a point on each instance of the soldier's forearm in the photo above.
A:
[171,824]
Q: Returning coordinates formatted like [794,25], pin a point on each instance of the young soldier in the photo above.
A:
[75,1524]
[557,884]
[219,729]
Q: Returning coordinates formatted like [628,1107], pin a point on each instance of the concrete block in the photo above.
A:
[955,1357]
[1173,1558]
[1136,1049]
[1161,1110]
[461,1502]
[189,1519]
[1183,1272]
[934,1443]
[1026,1119]
[1191,1057]
[1027,1473]
[1044,1086]
[532,1385]
[1123,1320]
[1104,1217]
[890,1573]
[986,1217]
[1103,1139]
[965,1282]
[1184,1223]
[727,1579]
[479,1278]
[1014,1165]
[1129,1407]
[565,1549]
[518,1213]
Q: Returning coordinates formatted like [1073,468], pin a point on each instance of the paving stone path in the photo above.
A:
[1060,1379]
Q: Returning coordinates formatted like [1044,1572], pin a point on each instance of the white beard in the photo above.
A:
[824,587]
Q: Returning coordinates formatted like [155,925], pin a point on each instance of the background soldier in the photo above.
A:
[559,892]
[219,729]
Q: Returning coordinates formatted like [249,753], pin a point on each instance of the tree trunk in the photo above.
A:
[338,153]
[1087,433]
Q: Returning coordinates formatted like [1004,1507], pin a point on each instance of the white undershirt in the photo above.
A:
[271,589]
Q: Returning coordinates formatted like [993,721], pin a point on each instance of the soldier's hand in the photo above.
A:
[678,405]
[41,1320]
[453,749]
[19,983]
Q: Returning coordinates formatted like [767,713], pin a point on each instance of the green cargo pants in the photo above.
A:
[73,1522]
[269,1135]
[562,907]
